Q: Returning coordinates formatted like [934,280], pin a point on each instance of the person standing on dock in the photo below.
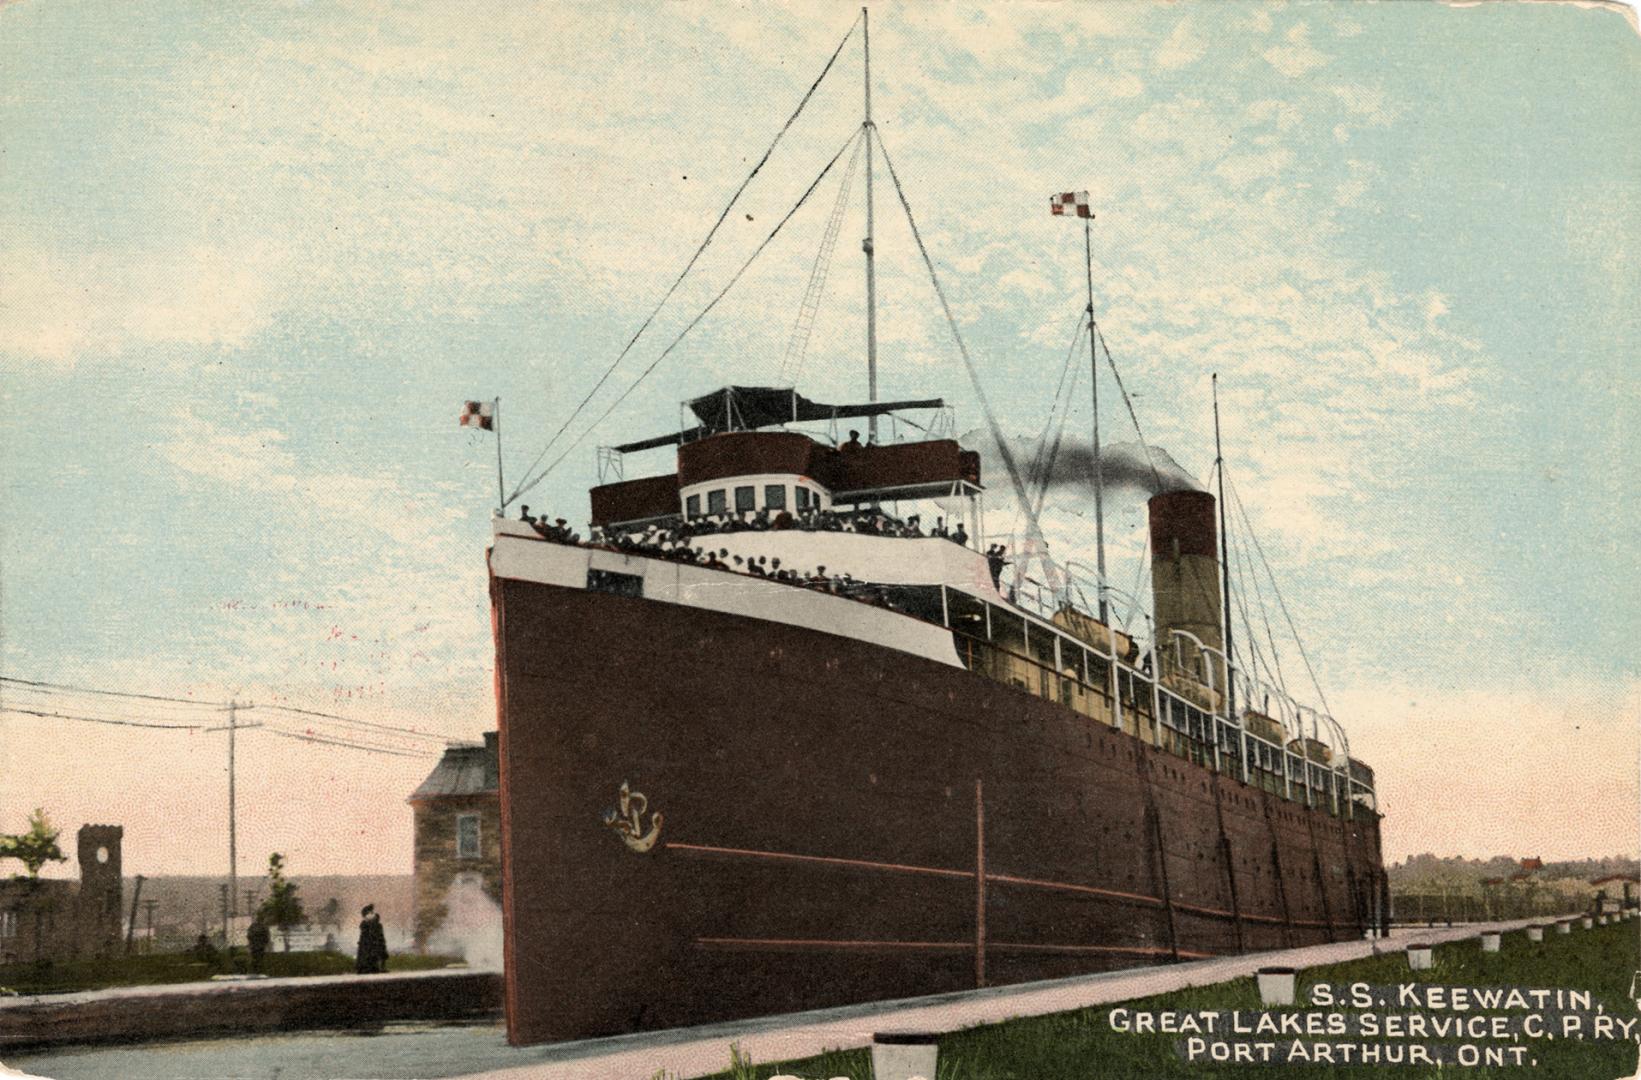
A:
[372,943]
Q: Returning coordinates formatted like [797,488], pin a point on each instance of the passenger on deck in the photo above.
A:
[995,561]
[961,536]
[853,444]
[524,515]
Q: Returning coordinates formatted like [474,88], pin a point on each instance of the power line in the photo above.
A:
[350,720]
[98,719]
[325,741]
[527,483]
[112,693]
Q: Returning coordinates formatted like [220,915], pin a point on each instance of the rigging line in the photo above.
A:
[1054,407]
[1241,599]
[1243,556]
[1292,629]
[111,693]
[1132,416]
[695,321]
[797,346]
[1264,613]
[520,488]
[347,745]
[350,720]
[98,719]
[1009,464]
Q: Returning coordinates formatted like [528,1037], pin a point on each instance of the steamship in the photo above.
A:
[765,747]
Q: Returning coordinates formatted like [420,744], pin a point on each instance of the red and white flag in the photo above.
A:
[481,414]
[1070,203]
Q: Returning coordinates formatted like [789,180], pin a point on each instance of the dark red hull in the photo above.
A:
[822,803]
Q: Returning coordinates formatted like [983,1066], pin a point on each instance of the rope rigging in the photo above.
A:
[1282,604]
[1009,464]
[527,482]
[797,345]
[810,190]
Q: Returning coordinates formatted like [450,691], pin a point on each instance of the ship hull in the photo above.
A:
[841,822]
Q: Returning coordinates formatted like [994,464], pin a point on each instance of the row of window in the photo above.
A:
[746,499]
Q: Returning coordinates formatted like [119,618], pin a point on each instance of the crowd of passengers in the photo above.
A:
[674,543]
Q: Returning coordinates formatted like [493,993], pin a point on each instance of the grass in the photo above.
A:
[1081,1043]
[96,973]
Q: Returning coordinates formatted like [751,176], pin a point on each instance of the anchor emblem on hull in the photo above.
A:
[628,820]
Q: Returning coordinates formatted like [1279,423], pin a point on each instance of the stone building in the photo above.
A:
[54,919]
[457,822]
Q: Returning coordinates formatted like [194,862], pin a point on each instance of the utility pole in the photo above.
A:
[250,901]
[227,940]
[866,245]
[148,908]
[233,832]
[231,889]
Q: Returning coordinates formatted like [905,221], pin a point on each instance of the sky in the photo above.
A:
[254,258]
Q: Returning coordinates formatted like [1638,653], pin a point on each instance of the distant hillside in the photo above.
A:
[1429,869]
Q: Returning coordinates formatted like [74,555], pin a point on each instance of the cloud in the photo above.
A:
[64,308]
[1298,57]
[1183,47]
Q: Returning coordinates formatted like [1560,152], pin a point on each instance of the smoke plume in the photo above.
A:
[471,928]
[1125,465]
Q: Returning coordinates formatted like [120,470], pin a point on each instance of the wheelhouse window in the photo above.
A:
[467,836]
[716,503]
[803,497]
[746,498]
[692,506]
[775,496]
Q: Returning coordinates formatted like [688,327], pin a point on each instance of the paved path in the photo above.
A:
[398,1052]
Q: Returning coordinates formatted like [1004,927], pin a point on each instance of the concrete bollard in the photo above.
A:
[1535,933]
[1420,957]
[904,1055]
[1276,985]
[1587,922]
[1564,926]
[1602,920]
[1490,941]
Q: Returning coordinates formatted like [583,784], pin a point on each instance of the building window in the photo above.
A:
[467,836]
[715,501]
[803,497]
[692,506]
[775,496]
[8,924]
[746,498]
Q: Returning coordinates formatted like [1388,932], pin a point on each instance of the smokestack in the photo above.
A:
[1185,578]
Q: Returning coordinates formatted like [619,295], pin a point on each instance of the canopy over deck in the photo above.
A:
[747,408]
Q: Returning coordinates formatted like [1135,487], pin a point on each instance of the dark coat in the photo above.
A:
[372,946]
[256,936]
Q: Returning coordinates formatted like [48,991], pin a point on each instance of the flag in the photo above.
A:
[479,414]
[1070,203]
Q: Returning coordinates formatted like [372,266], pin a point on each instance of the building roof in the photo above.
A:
[1614,877]
[465,769]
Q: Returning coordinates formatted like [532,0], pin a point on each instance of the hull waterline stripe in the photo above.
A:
[821,944]
[1001,879]
[902,868]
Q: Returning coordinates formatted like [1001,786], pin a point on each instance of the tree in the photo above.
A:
[36,847]
[331,913]
[282,908]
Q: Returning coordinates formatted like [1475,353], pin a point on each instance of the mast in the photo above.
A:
[1224,560]
[1094,383]
[866,245]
